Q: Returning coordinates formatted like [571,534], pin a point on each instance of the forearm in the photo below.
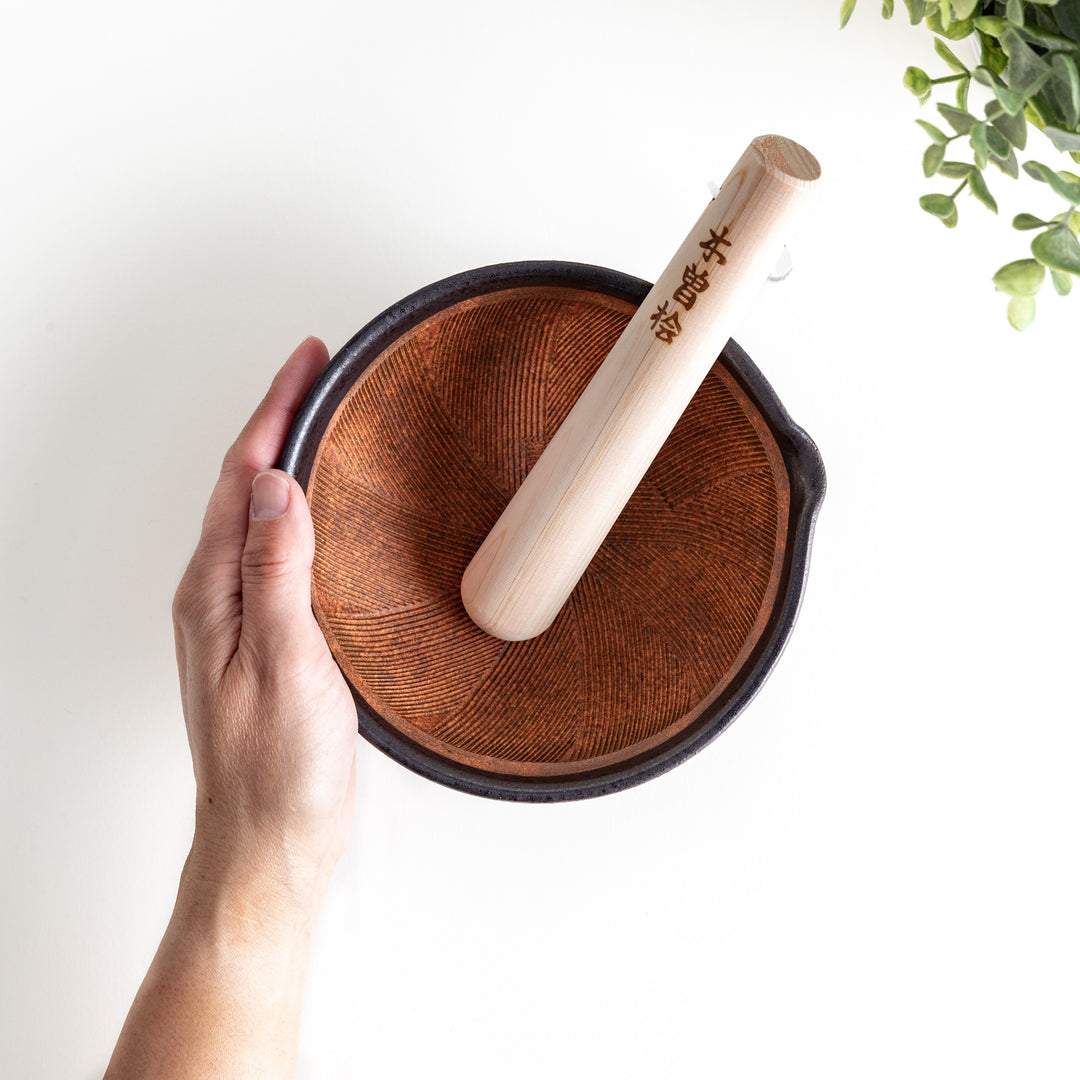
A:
[222,997]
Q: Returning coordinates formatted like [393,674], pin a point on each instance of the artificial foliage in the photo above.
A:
[1030,61]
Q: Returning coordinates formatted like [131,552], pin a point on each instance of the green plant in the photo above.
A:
[1030,60]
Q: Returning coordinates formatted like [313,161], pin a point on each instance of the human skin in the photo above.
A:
[272,731]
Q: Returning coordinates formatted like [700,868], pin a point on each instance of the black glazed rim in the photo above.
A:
[806,473]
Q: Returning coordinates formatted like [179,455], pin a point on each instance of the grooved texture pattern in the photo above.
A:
[414,469]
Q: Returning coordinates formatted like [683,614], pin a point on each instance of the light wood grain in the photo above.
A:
[528,565]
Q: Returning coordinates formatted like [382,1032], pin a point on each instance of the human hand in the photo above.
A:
[271,722]
[272,729]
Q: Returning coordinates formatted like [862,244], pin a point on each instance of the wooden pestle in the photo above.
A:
[537,551]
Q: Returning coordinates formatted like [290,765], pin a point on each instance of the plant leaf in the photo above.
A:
[1067,86]
[1052,42]
[962,88]
[1062,282]
[998,144]
[955,170]
[1068,189]
[916,10]
[846,9]
[957,31]
[1042,110]
[918,82]
[932,159]
[1028,221]
[949,56]
[1058,249]
[996,60]
[1014,128]
[1012,102]
[1014,12]
[1009,166]
[1068,19]
[886,9]
[1039,35]
[941,206]
[981,192]
[1021,278]
[964,9]
[1066,141]
[990,24]
[978,144]
[1021,312]
[1026,71]
[939,21]
[960,121]
[935,133]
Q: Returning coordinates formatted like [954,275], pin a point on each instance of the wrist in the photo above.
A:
[248,885]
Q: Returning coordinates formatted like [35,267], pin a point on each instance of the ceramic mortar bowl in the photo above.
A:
[409,448]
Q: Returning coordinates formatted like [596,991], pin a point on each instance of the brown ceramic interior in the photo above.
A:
[414,468]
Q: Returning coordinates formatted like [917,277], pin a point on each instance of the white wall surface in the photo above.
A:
[874,872]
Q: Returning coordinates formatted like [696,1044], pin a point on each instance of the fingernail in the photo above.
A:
[269,496]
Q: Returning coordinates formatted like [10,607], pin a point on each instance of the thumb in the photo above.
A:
[275,570]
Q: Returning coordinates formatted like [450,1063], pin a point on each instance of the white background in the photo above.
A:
[873,873]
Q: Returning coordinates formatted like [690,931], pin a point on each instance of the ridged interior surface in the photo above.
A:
[417,464]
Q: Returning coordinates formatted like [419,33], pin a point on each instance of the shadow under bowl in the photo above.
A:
[410,446]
